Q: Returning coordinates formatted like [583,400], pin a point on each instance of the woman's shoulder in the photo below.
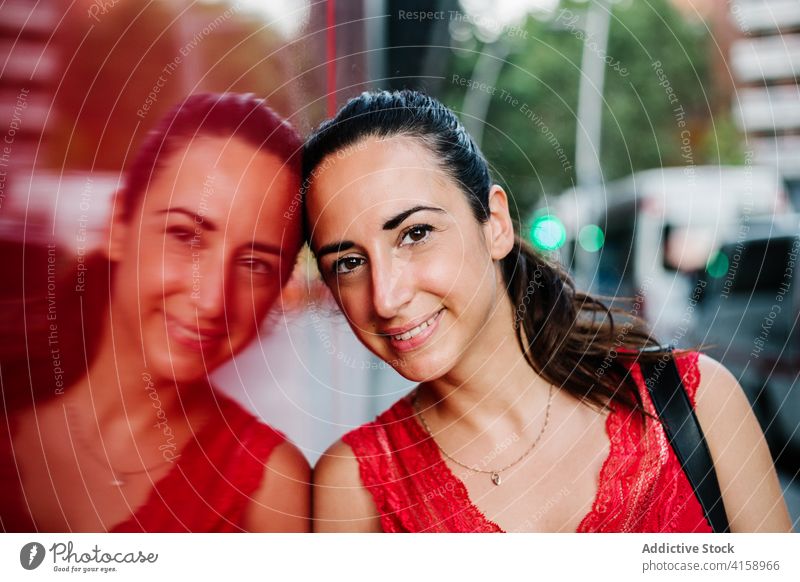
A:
[699,373]
[272,469]
[364,443]
[243,425]
[338,465]
[342,501]
[251,447]
[365,446]
[742,461]
[378,435]
[351,477]
[264,444]
[282,501]
[686,362]
[720,402]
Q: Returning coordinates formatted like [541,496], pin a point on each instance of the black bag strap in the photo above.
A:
[686,438]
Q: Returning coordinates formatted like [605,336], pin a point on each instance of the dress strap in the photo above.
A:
[642,487]
[687,439]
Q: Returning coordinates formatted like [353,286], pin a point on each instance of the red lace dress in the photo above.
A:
[641,486]
[207,489]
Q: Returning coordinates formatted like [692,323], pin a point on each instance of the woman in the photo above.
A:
[200,243]
[530,413]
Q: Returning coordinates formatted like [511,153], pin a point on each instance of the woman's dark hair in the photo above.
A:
[35,362]
[568,337]
[225,115]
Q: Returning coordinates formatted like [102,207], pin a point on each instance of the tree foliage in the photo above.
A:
[656,111]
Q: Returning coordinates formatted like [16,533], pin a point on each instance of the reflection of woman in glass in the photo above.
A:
[200,243]
[530,413]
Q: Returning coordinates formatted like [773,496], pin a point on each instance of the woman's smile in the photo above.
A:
[193,337]
[414,334]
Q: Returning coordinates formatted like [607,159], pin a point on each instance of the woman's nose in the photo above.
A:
[392,285]
[207,291]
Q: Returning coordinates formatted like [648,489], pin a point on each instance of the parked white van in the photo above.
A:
[661,226]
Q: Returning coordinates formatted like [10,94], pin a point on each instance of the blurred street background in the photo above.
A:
[652,146]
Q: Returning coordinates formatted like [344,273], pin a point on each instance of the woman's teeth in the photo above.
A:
[417,330]
[193,334]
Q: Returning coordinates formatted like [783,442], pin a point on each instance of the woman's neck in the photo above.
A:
[122,395]
[489,383]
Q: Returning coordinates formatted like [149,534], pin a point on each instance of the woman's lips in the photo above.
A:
[414,337]
[193,337]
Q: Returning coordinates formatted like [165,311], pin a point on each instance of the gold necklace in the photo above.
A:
[495,473]
[118,477]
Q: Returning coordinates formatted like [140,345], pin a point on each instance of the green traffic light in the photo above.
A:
[591,238]
[548,233]
[717,265]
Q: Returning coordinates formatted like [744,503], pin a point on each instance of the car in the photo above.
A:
[749,316]
[659,226]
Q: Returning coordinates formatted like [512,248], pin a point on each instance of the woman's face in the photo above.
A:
[412,269]
[203,258]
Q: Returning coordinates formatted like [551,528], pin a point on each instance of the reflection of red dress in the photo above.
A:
[642,487]
[207,490]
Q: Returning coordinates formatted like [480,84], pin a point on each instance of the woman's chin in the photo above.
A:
[180,370]
[182,376]
[422,368]
[420,378]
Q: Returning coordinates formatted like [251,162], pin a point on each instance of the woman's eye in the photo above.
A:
[347,265]
[416,234]
[183,234]
[257,266]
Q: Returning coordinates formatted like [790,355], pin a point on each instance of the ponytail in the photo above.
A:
[570,338]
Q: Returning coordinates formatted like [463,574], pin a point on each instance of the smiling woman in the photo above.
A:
[531,412]
[198,249]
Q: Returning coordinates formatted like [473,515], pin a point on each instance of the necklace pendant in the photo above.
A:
[496,479]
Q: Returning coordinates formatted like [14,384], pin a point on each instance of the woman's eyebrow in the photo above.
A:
[336,247]
[264,248]
[206,224]
[390,224]
[393,222]
[196,218]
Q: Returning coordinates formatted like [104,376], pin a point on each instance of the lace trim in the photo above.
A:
[469,511]
[641,459]
[395,439]
[608,482]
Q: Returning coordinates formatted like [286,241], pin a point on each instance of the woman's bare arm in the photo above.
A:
[283,501]
[748,481]
[341,502]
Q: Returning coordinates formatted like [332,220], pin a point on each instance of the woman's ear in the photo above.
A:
[501,228]
[116,229]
